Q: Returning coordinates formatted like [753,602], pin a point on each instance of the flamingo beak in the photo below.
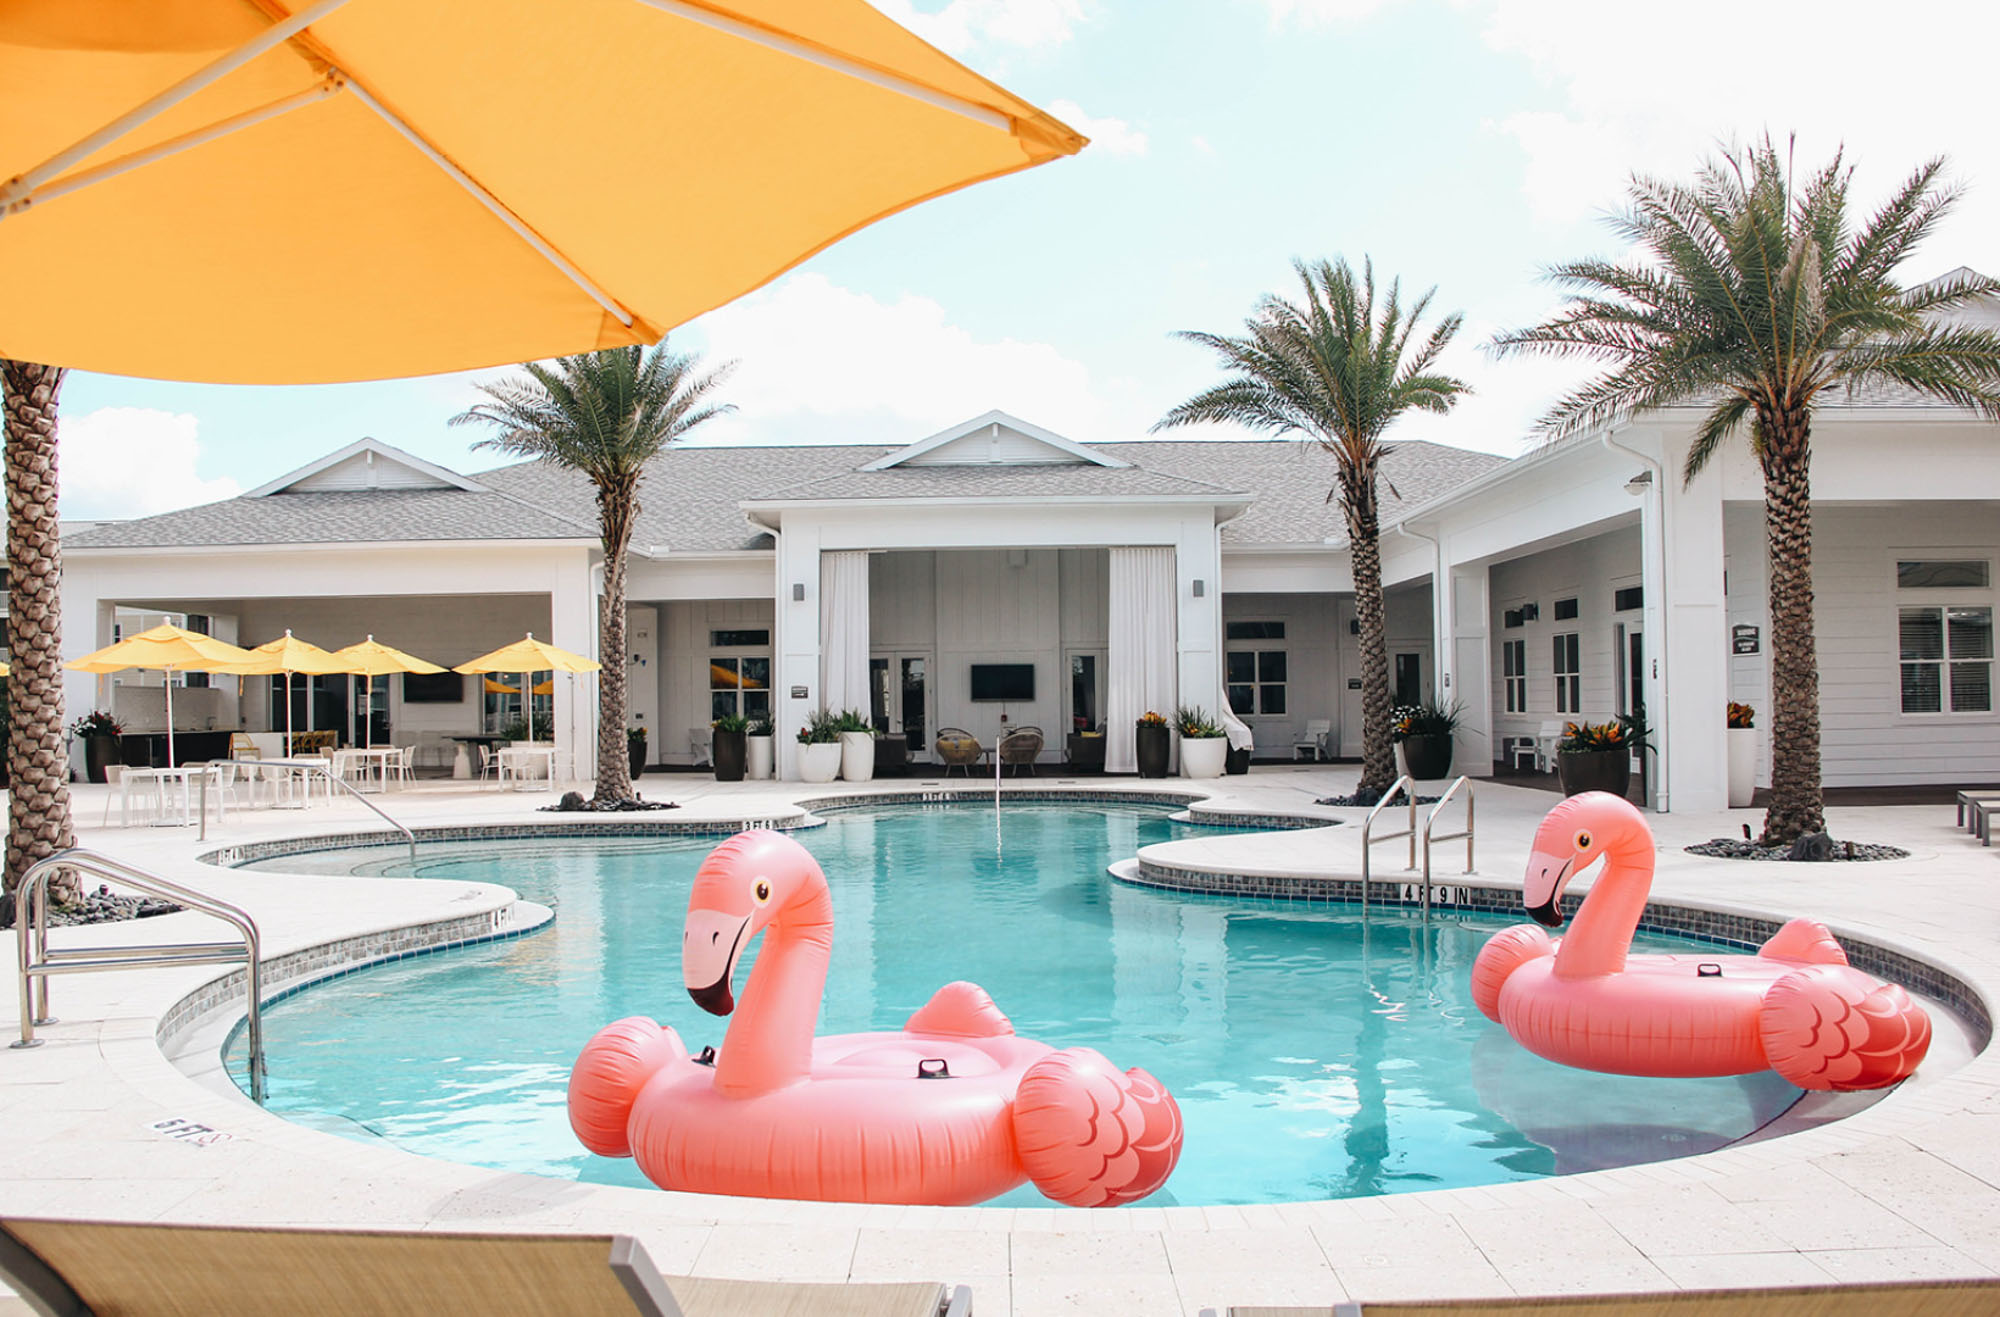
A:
[710,944]
[1541,890]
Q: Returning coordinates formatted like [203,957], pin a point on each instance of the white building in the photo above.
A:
[1124,577]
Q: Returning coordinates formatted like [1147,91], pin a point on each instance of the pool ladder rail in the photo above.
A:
[38,961]
[1423,837]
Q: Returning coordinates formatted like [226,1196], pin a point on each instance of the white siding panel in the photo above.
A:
[1590,571]
[1315,627]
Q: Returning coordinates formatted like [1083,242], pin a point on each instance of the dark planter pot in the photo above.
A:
[1427,757]
[1154,743]
[99,752]
[1595,770]
[1237,762]
[635,753]
[729,750]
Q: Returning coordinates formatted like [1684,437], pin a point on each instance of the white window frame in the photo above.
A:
[1568,683]
[1514,674]
[1257,648]
[1941,600]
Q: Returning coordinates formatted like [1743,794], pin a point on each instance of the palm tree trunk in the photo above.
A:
[617,510]
[38,814]
[1364,537]
[1797,805]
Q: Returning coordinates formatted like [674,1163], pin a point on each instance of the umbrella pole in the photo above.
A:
[288,713]
[168,675]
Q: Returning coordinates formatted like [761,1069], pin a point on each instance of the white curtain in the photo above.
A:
[843,631]
[1141,662]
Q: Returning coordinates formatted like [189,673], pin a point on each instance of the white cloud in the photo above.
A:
[1642,91]
[963,24]
[1508,396]
[1114,136]
[133,462]
[1323,13]
[822,363]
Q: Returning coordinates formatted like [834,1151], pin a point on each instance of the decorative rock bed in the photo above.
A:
[1813,848]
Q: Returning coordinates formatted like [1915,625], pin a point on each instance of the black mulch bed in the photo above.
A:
[99,907]
[1813,848]
[574,803]
[1354,801]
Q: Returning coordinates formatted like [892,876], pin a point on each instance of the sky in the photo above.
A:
[1465,145]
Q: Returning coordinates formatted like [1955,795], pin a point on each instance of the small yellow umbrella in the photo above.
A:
[165,648]
[528,657]
[373,659]
[502,688]
[288,654]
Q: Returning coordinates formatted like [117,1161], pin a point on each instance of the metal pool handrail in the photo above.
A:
[1368,839]
[326,773]
[1430,823]
[37,962]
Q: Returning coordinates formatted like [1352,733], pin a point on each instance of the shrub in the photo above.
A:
[1427,719]
[1151,719]
[96,723]
[1196,724]
[1742,716]
[731,722]
[1586,738]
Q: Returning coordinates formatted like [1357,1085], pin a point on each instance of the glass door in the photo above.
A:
[899,699]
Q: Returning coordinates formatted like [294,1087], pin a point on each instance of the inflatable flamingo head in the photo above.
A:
[1572,837]
[743,885]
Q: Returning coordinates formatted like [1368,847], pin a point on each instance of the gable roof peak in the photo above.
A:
[994,439]
[367,463]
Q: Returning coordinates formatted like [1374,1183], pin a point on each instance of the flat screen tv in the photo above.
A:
[1003,681]
[433,688]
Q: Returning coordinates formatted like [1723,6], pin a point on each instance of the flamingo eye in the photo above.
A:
[1583,841]
[763,891]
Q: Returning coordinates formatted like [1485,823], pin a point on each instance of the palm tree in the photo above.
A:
[604,415]
[38,814]
[1337,371]
[1755,299]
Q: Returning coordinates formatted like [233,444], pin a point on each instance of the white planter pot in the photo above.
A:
[1742,765]
[757,758]
[857,756]
[819,763]
[1203,756]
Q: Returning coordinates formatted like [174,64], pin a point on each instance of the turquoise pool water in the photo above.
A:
[1314,1056]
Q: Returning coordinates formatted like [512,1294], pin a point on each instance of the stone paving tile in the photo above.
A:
[1630,1273]
[1845,1222]
[1422,1280]
[1220,1289]
[1102,1252]
[1857,1266]
[1717,1271]
[744,1252]
[1243,1250]
[1384,1244]
[1689,1221]
[1083,1295]
[881,1254]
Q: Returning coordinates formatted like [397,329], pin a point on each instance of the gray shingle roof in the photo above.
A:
[341,517]
[1022,480]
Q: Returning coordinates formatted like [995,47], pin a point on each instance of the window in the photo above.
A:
[1565,610]
[1514,674]
[760,639]
[1255,672]
[1945,643]
[739,683]
[1627,599]
[1569,673]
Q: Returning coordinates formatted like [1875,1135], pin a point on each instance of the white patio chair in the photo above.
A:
[1540,749]
[1318,734]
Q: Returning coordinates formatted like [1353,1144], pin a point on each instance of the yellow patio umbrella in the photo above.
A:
[288,654]
[528,657]
[502,688]
[183,182]
[164,648]
[370,658]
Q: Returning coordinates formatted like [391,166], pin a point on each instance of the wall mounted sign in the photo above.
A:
[799,693]
[1743,640]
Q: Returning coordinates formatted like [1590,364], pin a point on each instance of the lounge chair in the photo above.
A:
[79,1268]
[1020,747]
[1950,1298]
[957,748]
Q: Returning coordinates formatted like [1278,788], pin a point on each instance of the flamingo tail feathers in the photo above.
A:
[607,1077]
[1505,952]
[1090,1136]
[1832,1027]
[1807,941]
[960,1010]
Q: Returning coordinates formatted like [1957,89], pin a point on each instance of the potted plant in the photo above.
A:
[1425,733]
[759,745]
[635,749]
[1203,746]
[1594,757]
[857,746]
[1742,754]
[99,732]
[727,748]
[819,748]
[1150,735]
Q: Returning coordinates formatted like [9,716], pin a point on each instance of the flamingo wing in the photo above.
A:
[1833,1027]
[607,1077]
[960,1010]
[1090,1136]
[1807,941]
[1505,952]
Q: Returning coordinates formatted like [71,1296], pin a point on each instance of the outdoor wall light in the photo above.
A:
[1200,587]
[798,592]
[1640,483]
[1529,612]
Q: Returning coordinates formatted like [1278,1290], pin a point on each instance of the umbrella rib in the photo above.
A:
[172,146]
[24,184]
[492,203]
[826,59]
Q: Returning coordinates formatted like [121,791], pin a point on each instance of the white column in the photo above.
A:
[1687,689]
[796,675]
[573,607]
[1198,563]
[1463,609]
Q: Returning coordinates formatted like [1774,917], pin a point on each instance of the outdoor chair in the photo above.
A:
[242,747]
[1318,733]
[1540,749]
[957,748]
[1019,748]
[82,1268]
[1975,813]
[1947,1298]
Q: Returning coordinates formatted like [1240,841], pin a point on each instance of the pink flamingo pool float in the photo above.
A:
[951,1110]
[1796,1006]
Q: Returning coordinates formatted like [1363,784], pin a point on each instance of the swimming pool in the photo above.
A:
[1313,1055]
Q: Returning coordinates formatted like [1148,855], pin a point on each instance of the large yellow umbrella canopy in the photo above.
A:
[375,188]
[164,648]
[288,654]
[528,657]
[370,658]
